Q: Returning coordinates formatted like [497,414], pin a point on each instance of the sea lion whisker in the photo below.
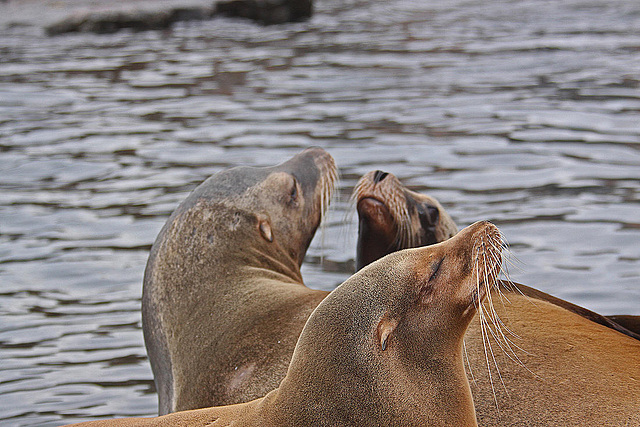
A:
[404,237]
[485,341]
[468,363]
[505,343]
[496,285]
[511,353]
[502,325]
[497,339]
[501,339]
[492,315]
[328,184]
[489,276]
[483,332]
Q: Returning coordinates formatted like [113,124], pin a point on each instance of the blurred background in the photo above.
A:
[525,113]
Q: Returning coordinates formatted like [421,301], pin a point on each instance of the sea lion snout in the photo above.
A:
[392,217]
[460,271]
[486,257]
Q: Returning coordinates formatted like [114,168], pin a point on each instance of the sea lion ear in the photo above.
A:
[265,229]
[385,327]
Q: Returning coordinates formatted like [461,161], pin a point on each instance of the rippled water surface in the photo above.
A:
[525,113]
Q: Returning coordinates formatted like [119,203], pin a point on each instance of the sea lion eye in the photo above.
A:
[436,267]
[428,215]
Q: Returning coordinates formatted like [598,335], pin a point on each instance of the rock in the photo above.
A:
[267,12]
[137,20]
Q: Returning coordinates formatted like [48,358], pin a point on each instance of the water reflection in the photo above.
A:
[522,113]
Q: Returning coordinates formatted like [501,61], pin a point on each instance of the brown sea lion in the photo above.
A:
[383,349]
[392,217]
[223,301]
[223,282]
[559,363]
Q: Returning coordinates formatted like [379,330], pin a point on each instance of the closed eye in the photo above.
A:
[436,268]
[427,290]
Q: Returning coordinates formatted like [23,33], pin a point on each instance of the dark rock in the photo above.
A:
[267,12]
[137,20]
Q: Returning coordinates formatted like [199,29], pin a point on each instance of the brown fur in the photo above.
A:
[222,306]
[383,349]
[576,368]
[571,371]
[630,322]
[236,242]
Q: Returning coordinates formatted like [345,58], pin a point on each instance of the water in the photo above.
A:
[524,113]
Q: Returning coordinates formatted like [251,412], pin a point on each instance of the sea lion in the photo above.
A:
[223,281]
[559,363]
[223,305]
[383,349]
[628,321]
[392,217]
[551,367]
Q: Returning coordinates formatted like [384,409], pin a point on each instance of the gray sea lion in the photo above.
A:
[392,217]
[383,349]
[559,363]
[223,280]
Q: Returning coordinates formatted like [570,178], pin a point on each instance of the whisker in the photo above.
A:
[486,278]
[466,356]
[330,180]
[483,332]
[489,316]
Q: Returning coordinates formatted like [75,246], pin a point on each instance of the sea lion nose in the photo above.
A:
[379,176]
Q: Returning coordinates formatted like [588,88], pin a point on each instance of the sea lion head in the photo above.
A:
[385,347]
[287,200]
[270,211]
[392,217]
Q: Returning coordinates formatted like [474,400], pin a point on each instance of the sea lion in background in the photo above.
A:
[392,217]
[572,366]
[223,282]
[383,349]
[630,322]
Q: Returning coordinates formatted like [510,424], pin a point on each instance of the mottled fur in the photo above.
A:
[223,282]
